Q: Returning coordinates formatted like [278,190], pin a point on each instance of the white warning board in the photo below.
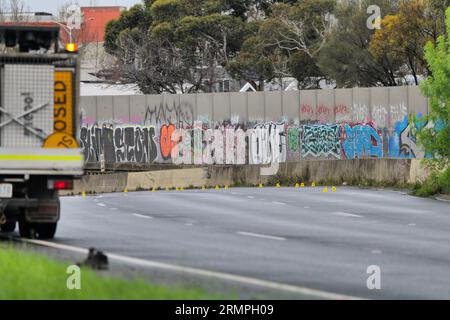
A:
[26,102]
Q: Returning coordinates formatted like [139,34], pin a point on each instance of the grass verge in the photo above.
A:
[25,275]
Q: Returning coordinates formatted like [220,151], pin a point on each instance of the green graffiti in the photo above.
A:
[293,142]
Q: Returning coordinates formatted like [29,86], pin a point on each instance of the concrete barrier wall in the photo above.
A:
[252,128]
[387,171]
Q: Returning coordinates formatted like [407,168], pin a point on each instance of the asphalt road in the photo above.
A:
[301,237]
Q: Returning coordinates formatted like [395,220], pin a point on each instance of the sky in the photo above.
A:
[53,5]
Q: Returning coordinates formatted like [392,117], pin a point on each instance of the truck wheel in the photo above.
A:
[25,229]
[9,226]
[37,230]
[45,230]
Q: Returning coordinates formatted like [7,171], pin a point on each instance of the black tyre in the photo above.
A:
[25,229]
[37,230]
[45,230]
[9,226]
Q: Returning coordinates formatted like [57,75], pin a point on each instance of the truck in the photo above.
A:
[39,117]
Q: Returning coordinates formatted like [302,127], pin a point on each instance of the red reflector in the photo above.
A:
[63,185]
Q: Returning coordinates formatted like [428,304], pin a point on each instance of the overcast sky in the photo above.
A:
[53,5]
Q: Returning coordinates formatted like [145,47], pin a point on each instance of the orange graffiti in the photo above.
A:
[165,140]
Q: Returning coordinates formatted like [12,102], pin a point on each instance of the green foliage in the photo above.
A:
[185,43]
[436,138]
[436,183]
[30,276]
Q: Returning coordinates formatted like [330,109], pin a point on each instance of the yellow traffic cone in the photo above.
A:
[302,185]
[126,190]
[182,189]
[333,189]
[261,185]
[325,189]
[278,185]
[226,187]
[83,194]
[203,188]
[313,184]
[217,188]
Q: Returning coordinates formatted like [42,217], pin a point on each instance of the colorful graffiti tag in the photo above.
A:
[262,143]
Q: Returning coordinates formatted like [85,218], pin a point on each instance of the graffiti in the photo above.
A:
[263,143]
[307,109]
[398,112]
[181,115]
[379,115]
[320,141]
[323,113]
[267,143]
[165,140]
[403,144]
[362,140]
[119,144]
[342,113]
[293,139]
[359,113]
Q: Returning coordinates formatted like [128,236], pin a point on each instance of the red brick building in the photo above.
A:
[92,29]
[95,20]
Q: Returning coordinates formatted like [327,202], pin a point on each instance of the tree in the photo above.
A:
[345,58]
[403,36]
[174,45]
[436,139]
[286,44]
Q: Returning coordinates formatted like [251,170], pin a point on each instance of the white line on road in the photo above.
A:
[142,216]
[251,197]
[101,204]
[276,202]
[203,273]
[345,214]
[257,235]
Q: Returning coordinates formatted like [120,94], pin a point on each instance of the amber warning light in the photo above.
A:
[71,47]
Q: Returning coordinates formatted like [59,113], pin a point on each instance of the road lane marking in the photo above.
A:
[142,216]
[411,224]
[257,235]
[376,251]
[345,214]
[276,202]
[319,294]
[101,204]
[251,197]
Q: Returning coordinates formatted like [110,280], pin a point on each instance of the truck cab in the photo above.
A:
[39,152]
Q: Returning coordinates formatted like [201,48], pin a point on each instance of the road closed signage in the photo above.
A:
[63,136]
